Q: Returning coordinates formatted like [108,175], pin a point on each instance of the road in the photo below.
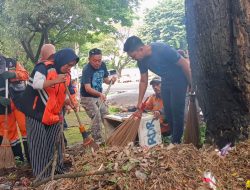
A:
[125,94]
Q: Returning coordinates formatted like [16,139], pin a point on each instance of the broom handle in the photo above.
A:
[100,106]
[6,96]
[62,135]
[106,93]
[71,101]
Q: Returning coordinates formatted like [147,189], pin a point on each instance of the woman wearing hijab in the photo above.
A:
[43,101]
[47,52]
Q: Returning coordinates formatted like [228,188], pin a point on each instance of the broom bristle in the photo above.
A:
[7,159]
[192,133]
[125,133]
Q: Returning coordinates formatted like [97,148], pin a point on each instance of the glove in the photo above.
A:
[8,75]
[4,101]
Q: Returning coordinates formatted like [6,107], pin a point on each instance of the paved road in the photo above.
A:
[125,94]
[122,87]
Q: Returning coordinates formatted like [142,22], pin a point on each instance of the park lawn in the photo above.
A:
[72,121]
[72,133]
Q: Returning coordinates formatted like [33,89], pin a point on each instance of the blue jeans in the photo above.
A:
[173,92]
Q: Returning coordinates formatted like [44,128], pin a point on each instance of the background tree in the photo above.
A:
[219,43]
[33,23]
[112,46]
[166,22]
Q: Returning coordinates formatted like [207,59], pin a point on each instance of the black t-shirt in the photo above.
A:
[94,77]
[162,61]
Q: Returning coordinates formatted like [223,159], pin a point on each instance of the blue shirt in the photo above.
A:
[162,61]
[94,77]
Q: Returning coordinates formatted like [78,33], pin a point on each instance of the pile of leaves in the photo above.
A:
[163,167]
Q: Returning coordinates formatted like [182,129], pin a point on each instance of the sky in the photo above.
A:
[147,4]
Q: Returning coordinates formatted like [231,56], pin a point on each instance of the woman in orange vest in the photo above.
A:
[43,101]
[17,76]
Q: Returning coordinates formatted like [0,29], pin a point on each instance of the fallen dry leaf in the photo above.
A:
[177,167]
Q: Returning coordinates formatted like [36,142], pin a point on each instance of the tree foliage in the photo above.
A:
[31,23]
[111,45]
[165,22]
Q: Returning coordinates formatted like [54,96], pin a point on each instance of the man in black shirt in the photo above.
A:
[175,74]
[93,75]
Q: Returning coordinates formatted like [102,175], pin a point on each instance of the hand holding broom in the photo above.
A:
[7,159]
[127,131]
[87,140]
[140,109]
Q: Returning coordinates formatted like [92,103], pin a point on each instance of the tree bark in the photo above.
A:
[218,35]
[28,50]
[42,41]
[46,36]
[26,44]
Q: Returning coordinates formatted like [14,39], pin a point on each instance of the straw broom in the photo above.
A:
[87,141]
[127,131]
[192,131]
[7,159]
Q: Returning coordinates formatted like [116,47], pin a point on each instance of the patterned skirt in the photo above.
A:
[42,141]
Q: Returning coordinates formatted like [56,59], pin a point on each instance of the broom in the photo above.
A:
[127,131]
[99,108]
[192,132]
[87,140]
[7,159]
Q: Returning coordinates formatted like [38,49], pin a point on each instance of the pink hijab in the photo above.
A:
[47,51]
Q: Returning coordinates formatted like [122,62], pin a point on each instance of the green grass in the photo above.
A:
[72,134]
[72,121]
[113,109]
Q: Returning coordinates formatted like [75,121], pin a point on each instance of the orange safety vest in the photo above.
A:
[154,103]
[56,98]
[47,103]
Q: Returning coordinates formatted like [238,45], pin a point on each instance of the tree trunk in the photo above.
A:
[218,35]
[27,44]
[46,36]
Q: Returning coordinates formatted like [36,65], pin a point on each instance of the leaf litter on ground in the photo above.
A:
[169,167]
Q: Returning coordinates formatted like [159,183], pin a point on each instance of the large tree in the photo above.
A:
[35,22]
[219,45]
[166,22]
